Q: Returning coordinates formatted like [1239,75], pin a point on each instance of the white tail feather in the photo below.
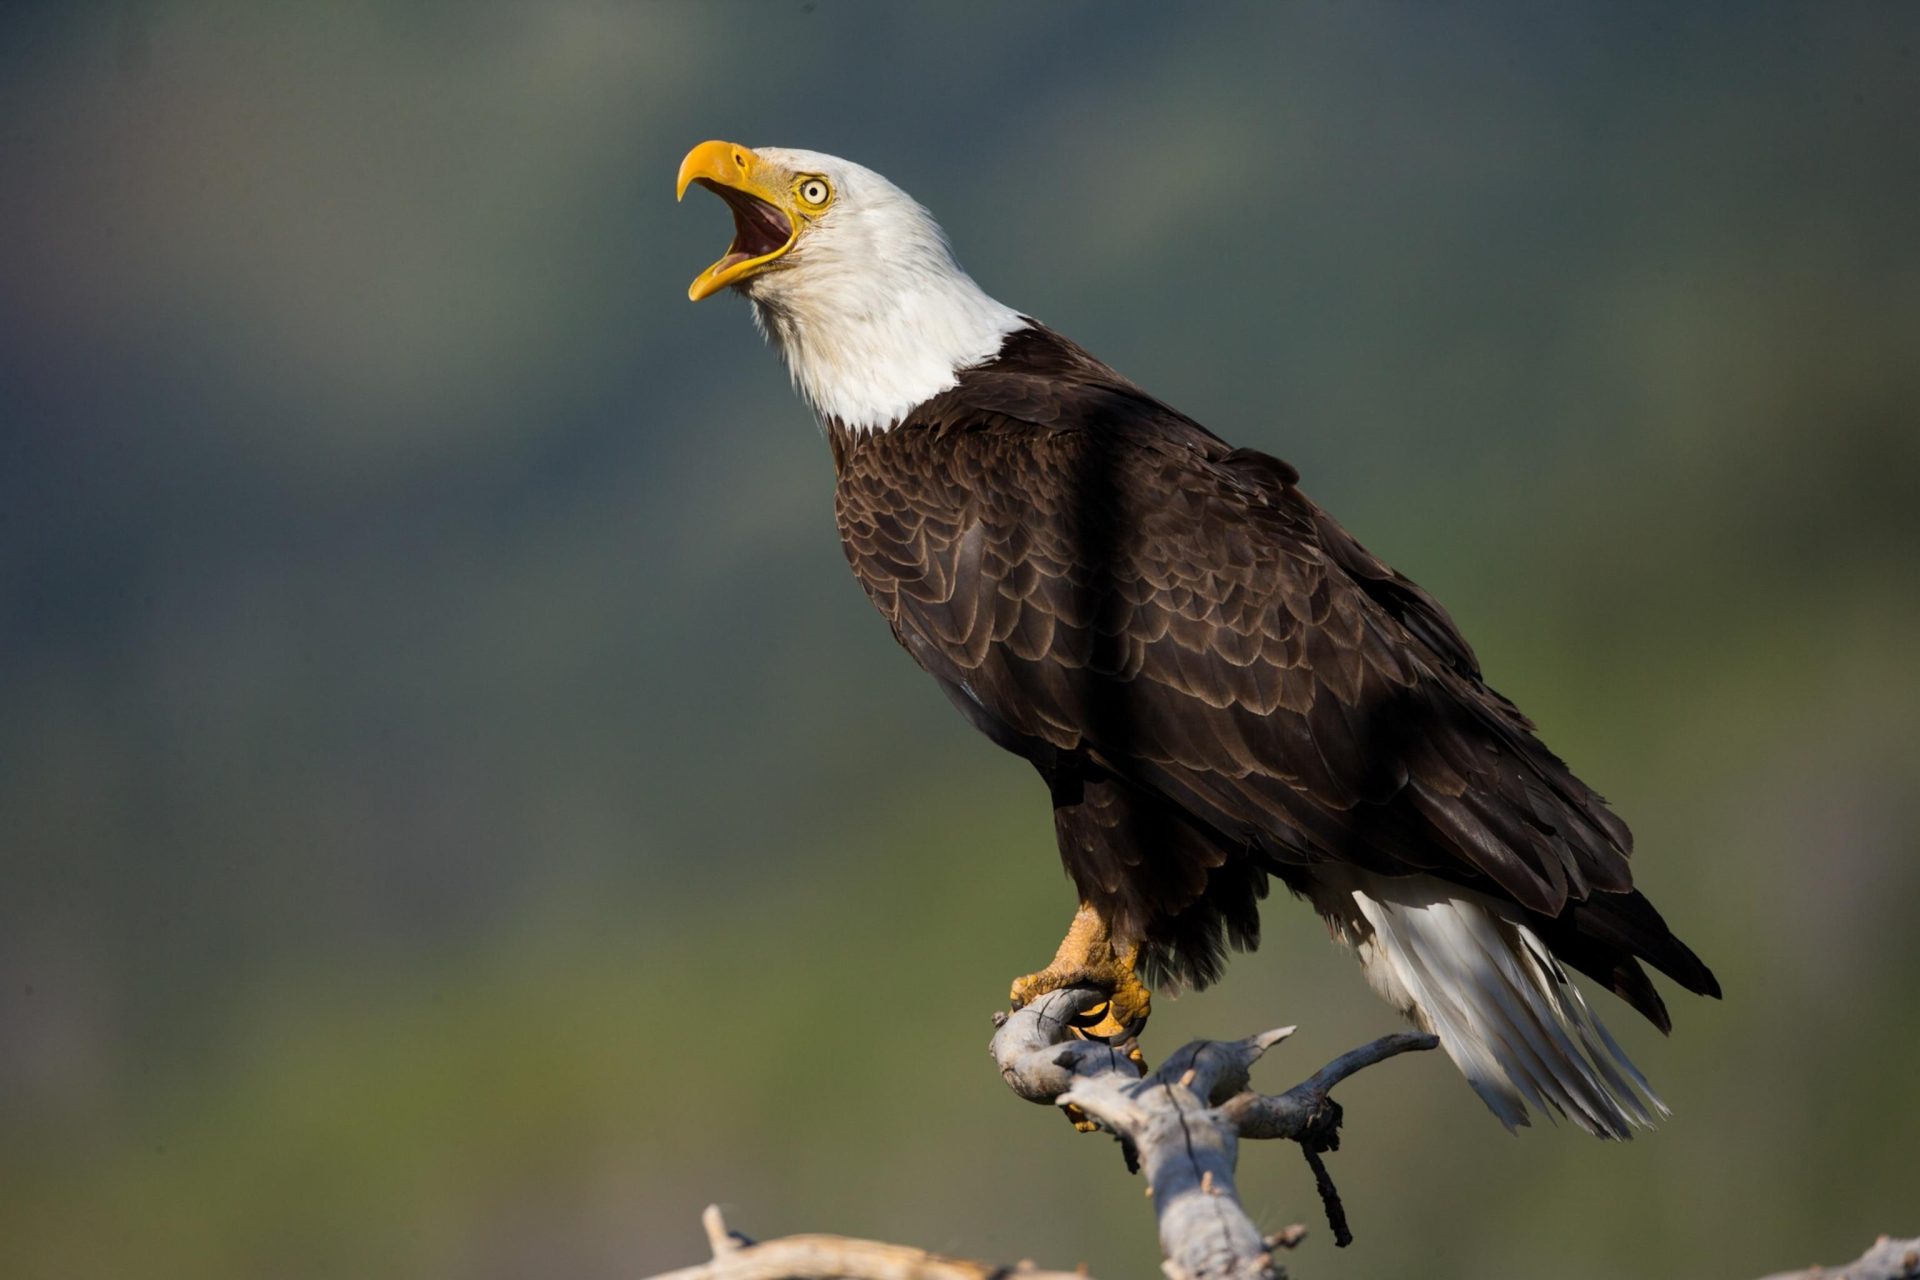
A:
[1506,1012]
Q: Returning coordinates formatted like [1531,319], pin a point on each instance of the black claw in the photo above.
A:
[1091,1017]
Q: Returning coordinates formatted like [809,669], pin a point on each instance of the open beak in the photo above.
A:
[764,223]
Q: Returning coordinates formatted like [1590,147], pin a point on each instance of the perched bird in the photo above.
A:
[1217,683]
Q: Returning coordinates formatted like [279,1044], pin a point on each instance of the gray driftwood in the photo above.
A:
[1183,1122]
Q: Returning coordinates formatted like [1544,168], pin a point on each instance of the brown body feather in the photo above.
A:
[1216,681]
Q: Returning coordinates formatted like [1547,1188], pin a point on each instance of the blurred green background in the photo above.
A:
[460,817]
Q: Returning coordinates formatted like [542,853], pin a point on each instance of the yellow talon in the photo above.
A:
[1088,958]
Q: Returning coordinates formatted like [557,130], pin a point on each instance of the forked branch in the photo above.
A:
[1181,1124]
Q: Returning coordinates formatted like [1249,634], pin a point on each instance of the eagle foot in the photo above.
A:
[1088,958]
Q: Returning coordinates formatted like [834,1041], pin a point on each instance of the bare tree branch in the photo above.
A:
[824,1257]
[1889,1259]
[1182,1123]
[1180,1126]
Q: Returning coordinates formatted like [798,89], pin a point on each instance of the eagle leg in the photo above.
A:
[1088,957]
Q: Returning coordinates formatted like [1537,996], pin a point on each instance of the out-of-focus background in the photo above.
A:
[459,815]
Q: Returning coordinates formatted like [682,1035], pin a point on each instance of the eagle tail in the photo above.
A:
[1505,1010]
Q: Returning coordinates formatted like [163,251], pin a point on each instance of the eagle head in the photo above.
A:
[851,278]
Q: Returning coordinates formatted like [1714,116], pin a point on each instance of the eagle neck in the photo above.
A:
[866,360]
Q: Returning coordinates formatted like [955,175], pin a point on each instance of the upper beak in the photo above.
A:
[764,222]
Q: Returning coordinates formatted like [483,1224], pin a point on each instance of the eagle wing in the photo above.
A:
[1095,577]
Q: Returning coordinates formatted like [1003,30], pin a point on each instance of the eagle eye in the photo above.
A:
[814,192]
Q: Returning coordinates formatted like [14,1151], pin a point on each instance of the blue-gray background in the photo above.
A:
[459,816]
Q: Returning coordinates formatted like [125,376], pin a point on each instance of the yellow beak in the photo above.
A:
[765,224]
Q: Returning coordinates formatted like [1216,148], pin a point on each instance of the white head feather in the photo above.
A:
[869,308]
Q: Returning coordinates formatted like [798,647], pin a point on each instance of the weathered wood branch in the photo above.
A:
[824,1257]
[1888,1259]
[1181,1124]
[843,1257]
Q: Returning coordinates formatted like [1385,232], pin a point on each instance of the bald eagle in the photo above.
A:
[1218,684]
